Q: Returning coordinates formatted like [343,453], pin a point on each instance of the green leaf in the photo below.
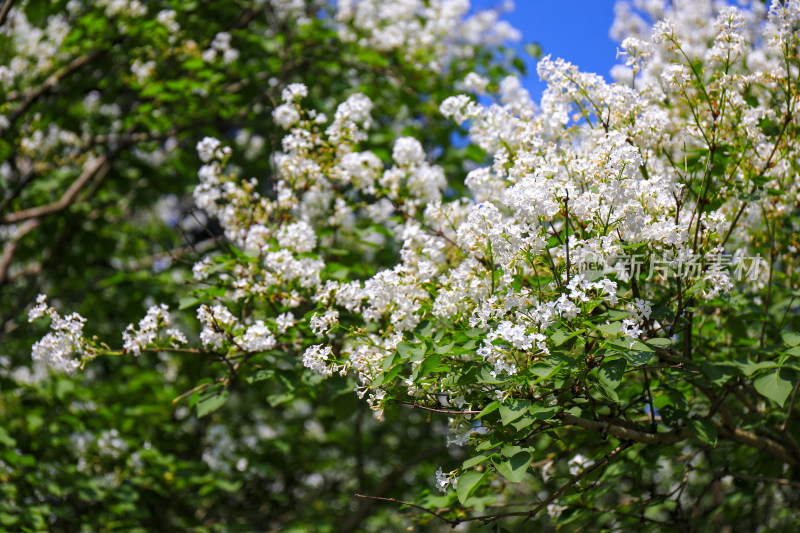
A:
[624,345]
[475,461]
[659,342]
[719,373]
[704,430]
[485,375]
[748,368]
[611,372]
[492,407]
[776,385]
[474,333]
[392,373]
[6,439]
[544,412]
[261,375]
[543,370]
[275,400]
[388,362]
[609,392]
[210,402]
[413,352]
[444,349]
[610,329]
[670,414]
[515,467]
[513,410]
[616,314]
[524,421]
[791,338]
[467,484]
[638,358]
[558,337]
[429,364]
[795,351]
[187,302]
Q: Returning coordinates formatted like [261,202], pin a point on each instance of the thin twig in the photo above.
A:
[791,405]
[528,514]
[190,391]
[401,502]
[415,405]
[11,248]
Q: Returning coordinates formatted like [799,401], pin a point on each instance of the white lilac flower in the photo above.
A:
[284,321]
[316,358]
[442,480]
[325,323]
[294,92]
[257,338]
[134,341]
[286,116]
[207,148]
[56,348]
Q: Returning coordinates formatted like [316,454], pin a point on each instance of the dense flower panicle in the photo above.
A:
[257,338]
[316,358]
[297,236]
[56,349]
[135,341]
[322,325]
[286,116]
[591,208]
[429,34]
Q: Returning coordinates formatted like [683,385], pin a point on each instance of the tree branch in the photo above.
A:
[733,434]
[757,442]
[748,477]
[98,168]
[11,247]
[4,11]
[624,433]
[564,488]
[390,480]
[421,508]
[415,405]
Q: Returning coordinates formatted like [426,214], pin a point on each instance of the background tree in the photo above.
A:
[103,104]
[602,314]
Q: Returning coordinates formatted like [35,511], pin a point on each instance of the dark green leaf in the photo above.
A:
[515,467]
[210,402]
[777,385]
[475,461]
[704,430]
[611,372]
[513,409]
[544,412]
[429,364]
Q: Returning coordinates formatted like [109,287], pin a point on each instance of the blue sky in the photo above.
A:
[576,30]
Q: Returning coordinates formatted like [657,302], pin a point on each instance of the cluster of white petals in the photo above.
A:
[428,33]
[57,348]
[135,340]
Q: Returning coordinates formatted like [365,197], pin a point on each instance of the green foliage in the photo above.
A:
[161,443]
